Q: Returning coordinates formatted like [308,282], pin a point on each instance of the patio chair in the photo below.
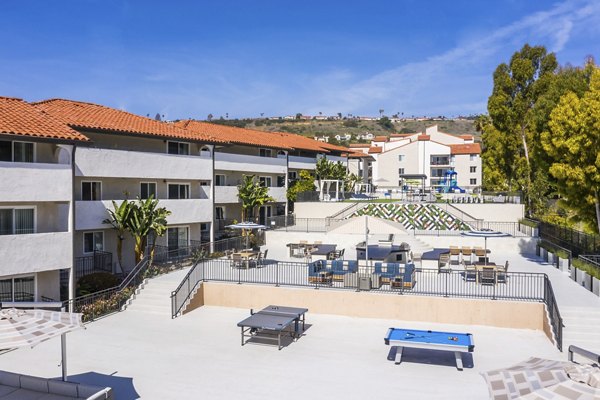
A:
[237,261]
[501,272]
[444,262]
[470,272]
[318,242]
[264,256]
[454,252]
[488,276]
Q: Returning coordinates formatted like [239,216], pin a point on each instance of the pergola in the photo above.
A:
[414,177]
[326,191]
[363,188]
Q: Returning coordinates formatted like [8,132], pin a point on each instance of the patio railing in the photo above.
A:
[519,286]
[575,241]
[100,261]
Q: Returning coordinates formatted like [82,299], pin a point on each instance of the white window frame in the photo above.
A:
[265,150]
[13,277]
[35,215]
[179,227]
[178,143]
[188,184]
[224,179]
[23,141]
[94,242]
[100,182]
[155,188]
[266,177]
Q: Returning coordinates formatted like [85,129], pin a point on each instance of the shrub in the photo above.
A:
[590,269]
[96,282]
[528,222]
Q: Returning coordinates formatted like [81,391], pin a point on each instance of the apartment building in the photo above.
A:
[64,162]
[127,157]
[36,202]
[428,154]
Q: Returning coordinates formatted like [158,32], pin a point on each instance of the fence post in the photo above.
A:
[239,275]
[277,274]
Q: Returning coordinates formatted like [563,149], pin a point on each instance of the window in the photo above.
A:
[473,182]
[400,171]
[472,157]
[93,241]
[280,180]
[178,148]
[265,181]
[147,189]
[179,191]
[264,152]
[220,180]
[292,175]
[91,191]
[401,157]
[16,151]
[205,232]
[473,169]
[17,289]
[205,151]
[17,221]
[177,237]
[219,213]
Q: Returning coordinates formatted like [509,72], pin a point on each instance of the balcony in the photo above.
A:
[35,182]
[278,193]
[90,214]
[295,162]
[343,160]
[136,164]
[226,194]
[36,252]
[245,163]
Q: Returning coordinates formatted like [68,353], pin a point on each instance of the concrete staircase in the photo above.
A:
[581,327]
[154,295]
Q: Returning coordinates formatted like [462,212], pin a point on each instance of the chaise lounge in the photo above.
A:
[24,387]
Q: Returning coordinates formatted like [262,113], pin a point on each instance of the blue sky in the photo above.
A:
[190,58]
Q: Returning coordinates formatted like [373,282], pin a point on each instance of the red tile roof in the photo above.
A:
[90,116]
[375,150]
[423,138]
[468,148]
[358,154]
[359,145]
[402,135]
[18,117]
[231,134]
[466,137]
[380,139]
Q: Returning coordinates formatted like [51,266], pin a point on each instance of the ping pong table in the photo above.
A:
[273,321]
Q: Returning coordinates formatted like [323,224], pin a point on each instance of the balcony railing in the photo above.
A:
[100,261]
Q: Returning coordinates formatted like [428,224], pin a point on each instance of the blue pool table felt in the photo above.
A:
[434,337]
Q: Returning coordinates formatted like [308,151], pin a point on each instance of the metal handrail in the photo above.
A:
[556,321]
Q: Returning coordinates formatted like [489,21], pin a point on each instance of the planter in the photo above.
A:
[538,250]
[550,257]
[544,254]
[536,232]
[563,264]
[596,286]
[587,282]
[581,276]
[574,273]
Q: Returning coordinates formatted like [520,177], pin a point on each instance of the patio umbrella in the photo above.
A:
[246,225]
[539,379]
[485,233]
[21,328]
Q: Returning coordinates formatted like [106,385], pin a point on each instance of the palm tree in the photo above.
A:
[119,217]
[146,217]
[252,195]
[381,110]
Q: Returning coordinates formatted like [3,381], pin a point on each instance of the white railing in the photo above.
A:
[36,252]
[35,182]
[295,162]
[137,164]
[246,163]
[226,194]
[278,193]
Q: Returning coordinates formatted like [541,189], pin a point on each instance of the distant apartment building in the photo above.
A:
[428,154]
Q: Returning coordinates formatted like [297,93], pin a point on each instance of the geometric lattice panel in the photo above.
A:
[414,216]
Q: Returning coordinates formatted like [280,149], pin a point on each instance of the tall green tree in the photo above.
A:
[146,217]
[118,219]
[573,141]
[305,183]
[517,87]
[252,194]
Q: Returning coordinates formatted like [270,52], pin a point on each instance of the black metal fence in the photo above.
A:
[100,261]
[290,223]
[520,286]
[575,241]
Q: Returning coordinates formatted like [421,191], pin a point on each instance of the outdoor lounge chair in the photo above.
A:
[470,272]
[387,270]
[454,252]
[237,261]
[488,276]
[444,262]
[501,272]
[343,267]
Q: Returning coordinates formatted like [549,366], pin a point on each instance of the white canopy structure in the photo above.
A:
[331,190]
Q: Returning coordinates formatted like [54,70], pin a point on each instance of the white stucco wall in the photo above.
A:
[34,182]
[22,254]
[93,162]
[493,212]
[240,162]
[317,210]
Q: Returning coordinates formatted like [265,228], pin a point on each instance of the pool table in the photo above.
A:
[432,340]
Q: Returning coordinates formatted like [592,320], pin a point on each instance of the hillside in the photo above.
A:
[312,127]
